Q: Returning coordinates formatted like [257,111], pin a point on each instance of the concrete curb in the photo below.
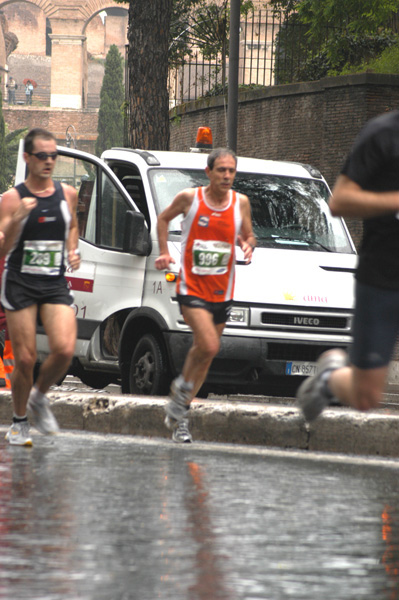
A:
[393,374]
[337,430]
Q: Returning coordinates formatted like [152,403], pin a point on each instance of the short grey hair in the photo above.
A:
[217,153]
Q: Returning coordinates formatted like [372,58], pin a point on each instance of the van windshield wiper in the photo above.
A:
[275,237]
[316,243]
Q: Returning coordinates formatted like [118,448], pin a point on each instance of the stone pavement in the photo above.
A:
[251,421]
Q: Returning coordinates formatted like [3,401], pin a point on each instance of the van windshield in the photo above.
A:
[287,212]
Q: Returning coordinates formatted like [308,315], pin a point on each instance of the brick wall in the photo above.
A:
[57,120]
[116,32]
[28,22]
[95,37]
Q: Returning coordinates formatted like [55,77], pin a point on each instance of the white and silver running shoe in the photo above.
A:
[19,434]
[179,399]
[40,413]
[313,394]
[181,433]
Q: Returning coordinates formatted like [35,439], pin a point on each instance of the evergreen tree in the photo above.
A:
[112,97]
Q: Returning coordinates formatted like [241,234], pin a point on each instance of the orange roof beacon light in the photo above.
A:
[204,141]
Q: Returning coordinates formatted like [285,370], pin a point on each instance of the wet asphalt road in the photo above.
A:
[102,517]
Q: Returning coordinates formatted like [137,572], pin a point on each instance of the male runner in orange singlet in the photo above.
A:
[215,218]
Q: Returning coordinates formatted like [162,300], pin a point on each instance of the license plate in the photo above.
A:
[299,367]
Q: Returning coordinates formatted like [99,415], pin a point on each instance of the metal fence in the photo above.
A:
[274,49]
[271,50]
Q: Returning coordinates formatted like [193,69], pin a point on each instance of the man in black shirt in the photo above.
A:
[39,236]
[368,187]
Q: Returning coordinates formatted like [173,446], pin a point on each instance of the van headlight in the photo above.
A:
[239,316]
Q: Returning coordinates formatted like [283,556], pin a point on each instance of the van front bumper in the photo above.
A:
[249,364]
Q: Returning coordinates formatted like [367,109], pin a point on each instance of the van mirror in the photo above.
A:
[136,239]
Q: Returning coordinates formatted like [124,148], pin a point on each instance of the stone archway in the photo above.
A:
[68,20]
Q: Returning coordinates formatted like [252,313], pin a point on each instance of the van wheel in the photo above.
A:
[148,373]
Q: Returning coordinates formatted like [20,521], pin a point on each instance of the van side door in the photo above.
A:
[111,277]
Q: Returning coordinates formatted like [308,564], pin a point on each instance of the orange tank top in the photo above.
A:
[209,236]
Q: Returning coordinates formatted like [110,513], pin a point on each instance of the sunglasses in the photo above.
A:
[44,155]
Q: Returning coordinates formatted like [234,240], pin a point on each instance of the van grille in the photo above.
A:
[300,320]
[325,321]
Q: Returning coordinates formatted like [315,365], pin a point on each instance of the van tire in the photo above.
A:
[148,368]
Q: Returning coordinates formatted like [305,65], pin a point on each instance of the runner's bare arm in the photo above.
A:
[179,205]
[350,200]
[72,242]
[246,239]
[12,212]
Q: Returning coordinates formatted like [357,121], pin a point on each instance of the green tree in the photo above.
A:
[337,34]
[356,16]
[112,96]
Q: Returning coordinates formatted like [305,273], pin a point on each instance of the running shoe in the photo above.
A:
[181,433]
[313,394]
[19,434]
[40,413]
[178,405]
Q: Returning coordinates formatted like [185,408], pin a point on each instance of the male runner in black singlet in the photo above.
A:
[367,188]
[38,220]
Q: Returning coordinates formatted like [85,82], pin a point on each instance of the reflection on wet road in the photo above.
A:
[115,518]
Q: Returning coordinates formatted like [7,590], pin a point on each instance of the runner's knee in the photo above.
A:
[208,349]
[25,359]
[63,352]
[212,347]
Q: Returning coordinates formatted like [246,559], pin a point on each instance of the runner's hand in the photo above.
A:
[163,261]
[74,259]
[27,204]
[246,248]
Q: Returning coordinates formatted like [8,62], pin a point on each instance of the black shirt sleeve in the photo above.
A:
[370,154]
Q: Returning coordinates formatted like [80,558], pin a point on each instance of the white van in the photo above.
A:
[293,301]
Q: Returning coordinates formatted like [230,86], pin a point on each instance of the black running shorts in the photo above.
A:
[219,310]
[375,326]
[17,293]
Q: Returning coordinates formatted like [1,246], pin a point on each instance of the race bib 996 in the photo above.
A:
[210,257]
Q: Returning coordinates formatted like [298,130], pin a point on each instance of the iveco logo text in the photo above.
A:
[306,321]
